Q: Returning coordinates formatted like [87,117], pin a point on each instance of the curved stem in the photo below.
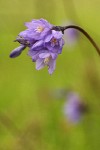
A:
[58,28]
[86,34]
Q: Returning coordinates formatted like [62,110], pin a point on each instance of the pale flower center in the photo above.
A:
[39,29]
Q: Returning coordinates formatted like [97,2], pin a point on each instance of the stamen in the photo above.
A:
[39,29]
[54,41]
[46,60]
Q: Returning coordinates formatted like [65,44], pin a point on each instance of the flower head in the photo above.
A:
[44,43]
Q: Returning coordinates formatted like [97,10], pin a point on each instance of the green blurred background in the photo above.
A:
[31,119]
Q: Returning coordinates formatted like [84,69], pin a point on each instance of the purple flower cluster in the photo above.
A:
[44,44]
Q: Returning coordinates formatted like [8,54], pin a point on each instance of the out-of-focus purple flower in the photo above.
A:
[17,51]
[44,58]
[71,36]
[74,107]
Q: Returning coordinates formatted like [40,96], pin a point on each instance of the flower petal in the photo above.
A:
[53,55]
[44,55]
[52,65]
[37,45]
[48,38]
[39,64]
[57,34]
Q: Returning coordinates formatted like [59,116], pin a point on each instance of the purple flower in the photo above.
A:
[54,41]
[17,51]
[44,58]
[74,107]
[37,29]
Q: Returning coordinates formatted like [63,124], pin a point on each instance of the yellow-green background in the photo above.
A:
[29,118]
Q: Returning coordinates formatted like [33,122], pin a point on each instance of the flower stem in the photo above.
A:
[59,28]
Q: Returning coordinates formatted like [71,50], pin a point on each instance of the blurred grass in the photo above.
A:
[29,118]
